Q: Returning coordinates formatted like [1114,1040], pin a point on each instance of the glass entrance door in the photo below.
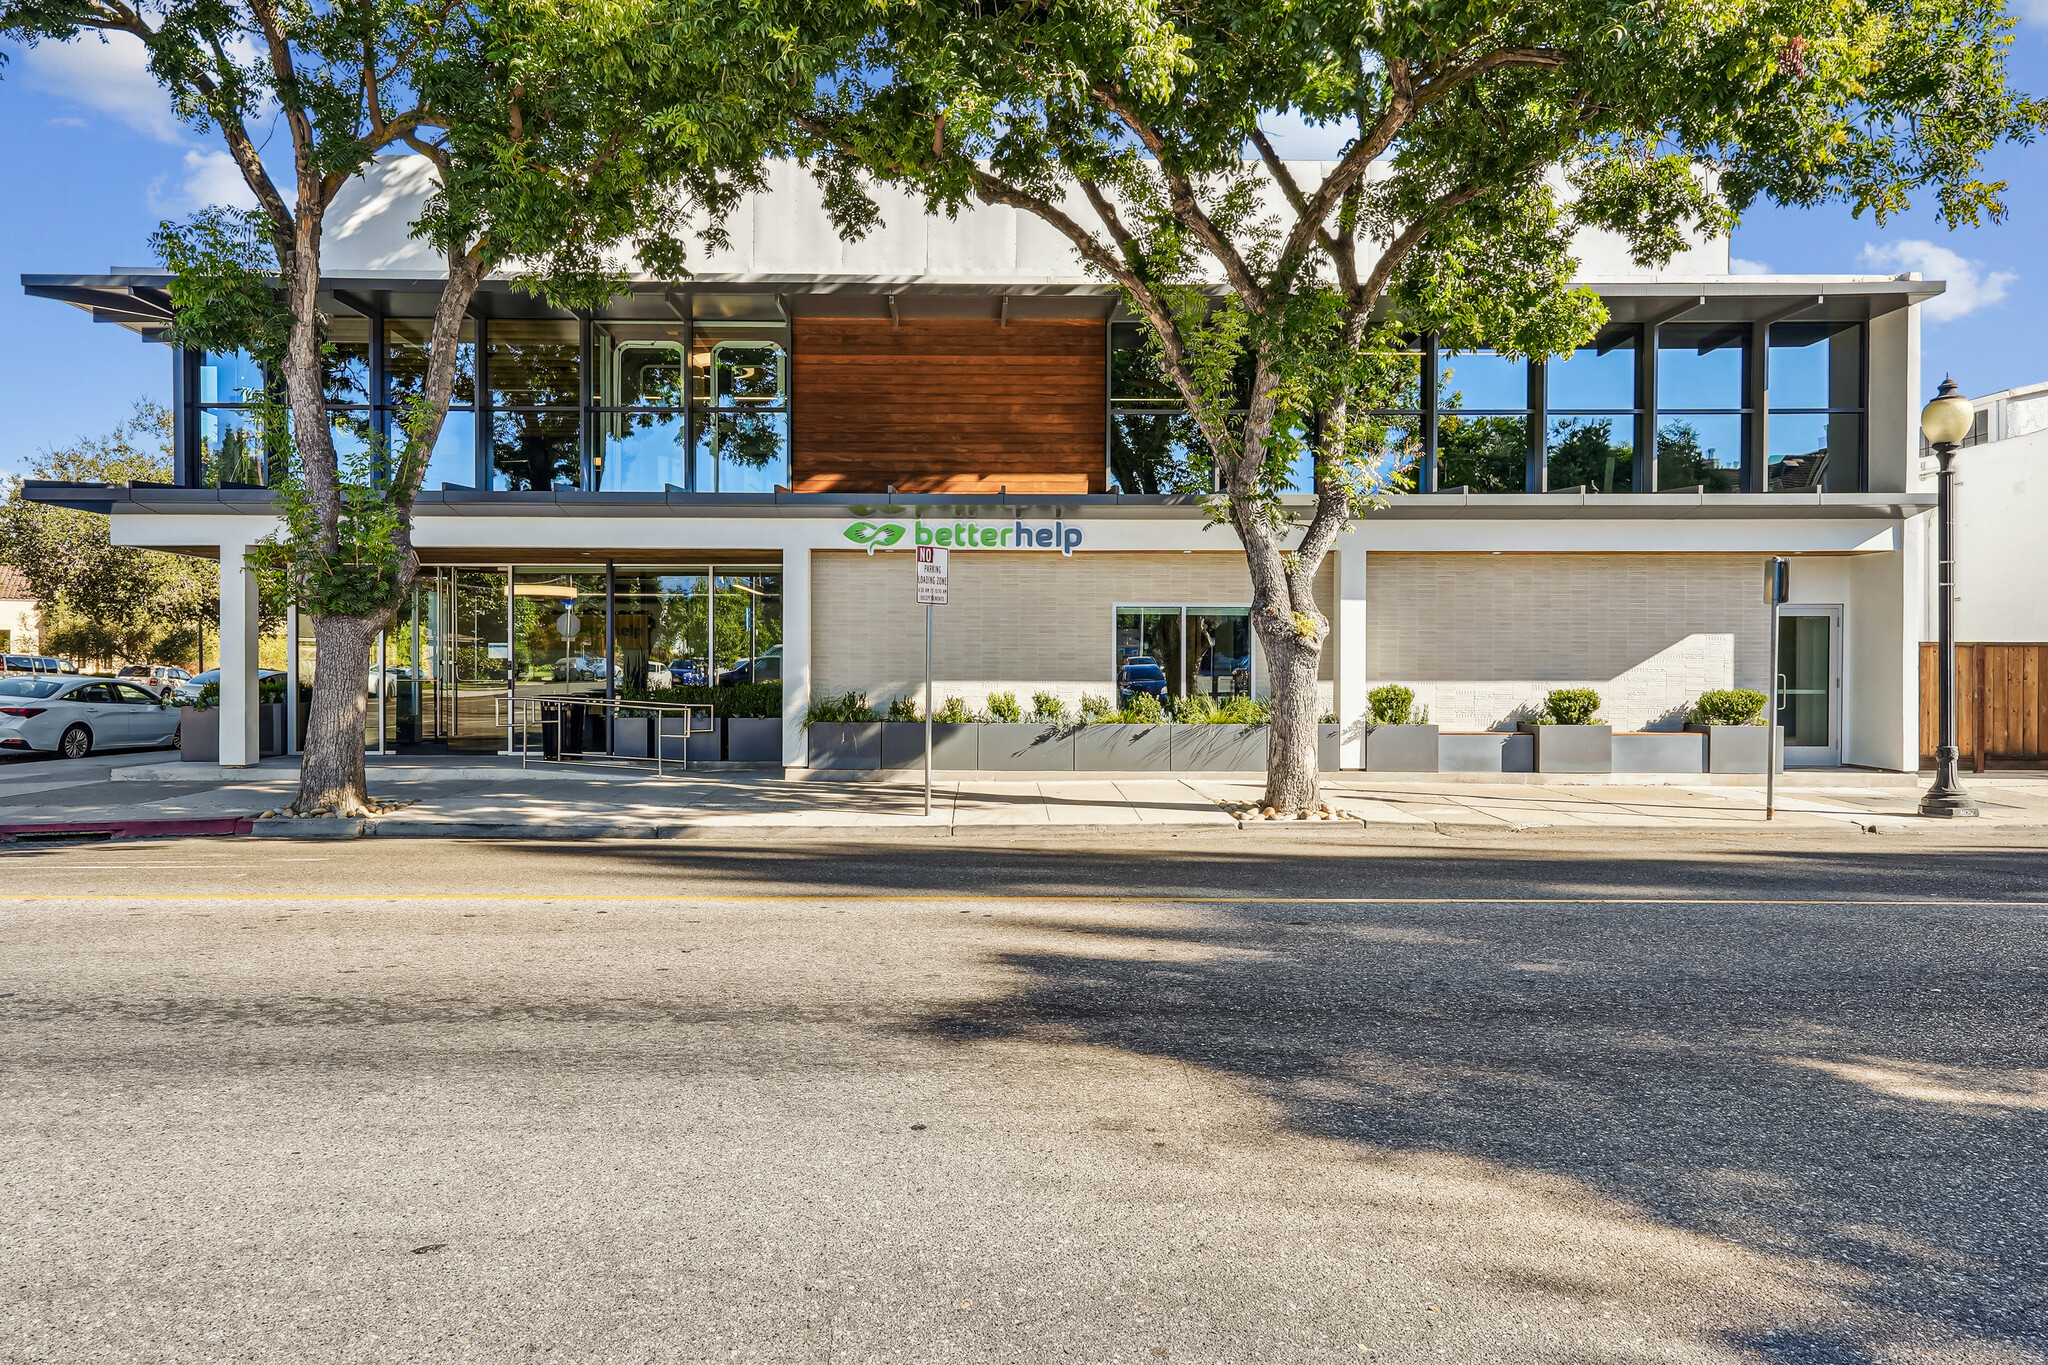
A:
[1810,685]
[1148,653]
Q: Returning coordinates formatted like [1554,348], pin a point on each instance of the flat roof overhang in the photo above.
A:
[140,301]
[1458,504]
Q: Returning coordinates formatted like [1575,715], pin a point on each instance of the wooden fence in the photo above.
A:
[2001,705]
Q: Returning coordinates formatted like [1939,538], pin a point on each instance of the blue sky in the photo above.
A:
[96,160]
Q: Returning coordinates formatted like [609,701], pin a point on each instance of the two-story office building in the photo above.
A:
[734,467]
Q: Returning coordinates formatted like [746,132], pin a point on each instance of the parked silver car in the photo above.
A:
[75,716]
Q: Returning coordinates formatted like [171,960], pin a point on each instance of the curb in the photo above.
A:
[126,829]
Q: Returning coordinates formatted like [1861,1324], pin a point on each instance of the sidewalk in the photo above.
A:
[496,798]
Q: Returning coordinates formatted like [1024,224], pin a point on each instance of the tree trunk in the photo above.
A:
[331,778]
[1293,782]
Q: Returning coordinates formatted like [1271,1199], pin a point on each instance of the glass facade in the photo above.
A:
[472,638]
[704,406]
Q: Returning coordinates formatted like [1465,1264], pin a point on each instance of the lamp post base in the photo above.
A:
[1948,805]
[1946,799]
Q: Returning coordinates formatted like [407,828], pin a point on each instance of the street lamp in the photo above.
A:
[1945,422]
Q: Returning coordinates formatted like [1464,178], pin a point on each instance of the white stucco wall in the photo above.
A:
[2001,493]
[786,233]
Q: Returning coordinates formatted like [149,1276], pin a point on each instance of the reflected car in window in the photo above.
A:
[1147,679]
[76,717]
[767,668]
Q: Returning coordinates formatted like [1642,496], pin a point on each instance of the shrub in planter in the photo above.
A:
[1144,709]
[1571,706]
[1003,708]
[953,711]
[848,708]
[1393,704]
[1244,711]
[1729,706]
[1046,708]
[1097,710]
[754,701]
[904,709]
[1194,709]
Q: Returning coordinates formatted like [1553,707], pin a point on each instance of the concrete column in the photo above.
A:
[1352,677]
[239,736]
[796,656]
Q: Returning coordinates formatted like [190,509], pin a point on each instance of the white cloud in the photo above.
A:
[1969,287]
[111,77]
[1738,266]
[210,178]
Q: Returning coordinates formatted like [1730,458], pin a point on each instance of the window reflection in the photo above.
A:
[533,364]
[405,360]
[531,451]
[345,361]
[229,377]
[232,450]
[1483,381]
[1484,454]
[1700,450]
[1591,451]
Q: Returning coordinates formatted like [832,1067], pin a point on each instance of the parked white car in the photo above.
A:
[75,716]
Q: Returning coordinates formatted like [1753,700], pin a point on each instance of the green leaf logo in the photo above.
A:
[874,537]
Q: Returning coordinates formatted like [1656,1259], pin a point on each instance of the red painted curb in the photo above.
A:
[133,829]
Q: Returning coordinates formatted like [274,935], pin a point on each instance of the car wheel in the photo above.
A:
[77,742]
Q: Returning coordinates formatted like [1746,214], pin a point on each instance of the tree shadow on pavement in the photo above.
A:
[1864,1088]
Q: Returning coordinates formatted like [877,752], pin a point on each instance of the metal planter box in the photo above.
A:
[754,740]
[1026,747]
[1219,748]
[1329,746]
[1488,751]
[1572,748]
[1119,748]
[199,735]
[270,729]
[704,742]
[1401,749]
[1741,748]
[855,747]
[1660,751]
[955,747]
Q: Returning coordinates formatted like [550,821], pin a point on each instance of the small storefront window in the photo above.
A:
[1170,652]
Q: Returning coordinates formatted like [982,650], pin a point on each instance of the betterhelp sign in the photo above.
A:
[967,535]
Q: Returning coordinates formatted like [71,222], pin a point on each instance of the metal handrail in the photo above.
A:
[521,715]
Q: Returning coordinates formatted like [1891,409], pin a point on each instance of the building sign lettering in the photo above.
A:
[967,535]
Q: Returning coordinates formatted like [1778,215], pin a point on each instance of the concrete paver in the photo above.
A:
[499,796]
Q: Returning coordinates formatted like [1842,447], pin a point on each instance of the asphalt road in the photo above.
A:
[1185,1099]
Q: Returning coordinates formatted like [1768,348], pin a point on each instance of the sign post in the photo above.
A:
[1777,587]
[931,591]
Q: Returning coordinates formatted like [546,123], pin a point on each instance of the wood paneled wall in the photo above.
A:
[2001,706]
[947,406]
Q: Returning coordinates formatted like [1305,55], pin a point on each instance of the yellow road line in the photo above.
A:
[839,898]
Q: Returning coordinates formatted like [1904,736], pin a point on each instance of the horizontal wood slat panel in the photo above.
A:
[2000,705]
[947,406]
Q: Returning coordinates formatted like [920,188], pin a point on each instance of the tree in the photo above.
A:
[95,599]
[530,112]
[1484,134]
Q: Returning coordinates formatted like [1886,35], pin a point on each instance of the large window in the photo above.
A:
[453,462]
[1816,412]
[641,442]
[1590,415]
[534,387]
[233,451]
[739,401]
[1485,423]
[1702,405]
